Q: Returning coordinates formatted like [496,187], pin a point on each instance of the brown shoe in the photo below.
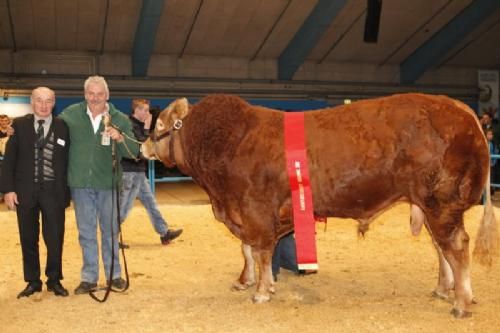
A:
[118,283]
[85,287]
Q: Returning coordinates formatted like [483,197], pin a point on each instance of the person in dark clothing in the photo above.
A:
[134,181]
[34,181]
[493,163]
[5,131]
[489,123]
[285,256]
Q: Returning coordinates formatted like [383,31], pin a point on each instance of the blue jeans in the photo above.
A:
[136,185]
[92,205]
[285,255]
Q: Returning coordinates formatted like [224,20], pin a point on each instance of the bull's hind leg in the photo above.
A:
[451,238]
[247,276]
[445,280]
[265,286]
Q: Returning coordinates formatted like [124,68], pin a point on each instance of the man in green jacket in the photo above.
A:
[92,125]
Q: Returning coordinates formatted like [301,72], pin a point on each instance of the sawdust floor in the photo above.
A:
[379,284]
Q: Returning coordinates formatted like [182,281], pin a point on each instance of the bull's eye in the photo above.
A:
[159,125]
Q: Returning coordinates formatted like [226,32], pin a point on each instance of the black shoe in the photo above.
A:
[307,271]
[30,289]
[58,289]
[123,245]
[170,236]
[118,283]
[85,287]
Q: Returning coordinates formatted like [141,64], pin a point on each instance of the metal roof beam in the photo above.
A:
[145,36]
[431,52]
[307,37]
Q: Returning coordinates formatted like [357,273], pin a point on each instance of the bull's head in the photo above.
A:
[160,144]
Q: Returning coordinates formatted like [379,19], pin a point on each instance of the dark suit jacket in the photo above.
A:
[18,168]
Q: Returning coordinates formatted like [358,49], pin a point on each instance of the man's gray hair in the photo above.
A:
[96,79]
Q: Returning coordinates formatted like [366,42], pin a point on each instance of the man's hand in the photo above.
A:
[114,134]
[10,200]
[147,121]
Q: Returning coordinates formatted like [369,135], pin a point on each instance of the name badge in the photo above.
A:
[61,142]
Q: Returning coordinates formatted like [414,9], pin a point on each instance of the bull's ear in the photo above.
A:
[180,108]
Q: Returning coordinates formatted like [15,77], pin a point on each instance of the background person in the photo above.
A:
[91,178]
[5,126]
[285,256]
[34,181]
[5,132]
[134,181]
[487,122]
[493,162]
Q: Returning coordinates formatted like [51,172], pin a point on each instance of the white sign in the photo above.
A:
[14,110]
[488,92]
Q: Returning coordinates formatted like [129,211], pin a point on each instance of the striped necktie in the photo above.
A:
[40,132]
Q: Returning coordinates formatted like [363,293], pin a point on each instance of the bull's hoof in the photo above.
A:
[259,298]
[440,295]
[457,313]
[238,286]
[272,290]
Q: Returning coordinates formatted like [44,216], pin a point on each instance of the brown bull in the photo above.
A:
[426,150]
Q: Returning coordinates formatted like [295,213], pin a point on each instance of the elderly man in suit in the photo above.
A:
[34,181]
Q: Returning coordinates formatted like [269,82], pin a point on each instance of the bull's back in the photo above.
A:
[367,155]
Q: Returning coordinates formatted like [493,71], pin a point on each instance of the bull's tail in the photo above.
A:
[487,240]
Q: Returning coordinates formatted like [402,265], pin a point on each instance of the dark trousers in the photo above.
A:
[53,235]
[285,255]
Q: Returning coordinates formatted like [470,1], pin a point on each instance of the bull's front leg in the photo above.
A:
[247,276]
[265,285]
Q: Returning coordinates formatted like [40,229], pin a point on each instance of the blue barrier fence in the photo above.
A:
[153,180]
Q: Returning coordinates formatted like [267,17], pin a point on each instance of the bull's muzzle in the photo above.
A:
[147,149]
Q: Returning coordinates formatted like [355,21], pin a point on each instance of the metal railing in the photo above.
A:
[153,180]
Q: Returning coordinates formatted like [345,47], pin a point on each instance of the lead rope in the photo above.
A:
[125,135]
[132,156]
[114,192]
